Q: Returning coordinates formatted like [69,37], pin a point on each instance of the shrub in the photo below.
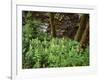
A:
[55,53]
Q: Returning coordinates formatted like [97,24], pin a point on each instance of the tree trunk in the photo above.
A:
[83,21]
[84,36]
[52,24]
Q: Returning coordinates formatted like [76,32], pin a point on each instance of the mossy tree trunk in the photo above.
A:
[52,24]
[83,21]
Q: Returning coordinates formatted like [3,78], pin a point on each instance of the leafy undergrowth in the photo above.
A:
[55,52]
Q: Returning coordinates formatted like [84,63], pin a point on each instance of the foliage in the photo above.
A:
[55,53]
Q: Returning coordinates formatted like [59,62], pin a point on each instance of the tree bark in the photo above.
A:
[83,21]
[52,24]
[84,36]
